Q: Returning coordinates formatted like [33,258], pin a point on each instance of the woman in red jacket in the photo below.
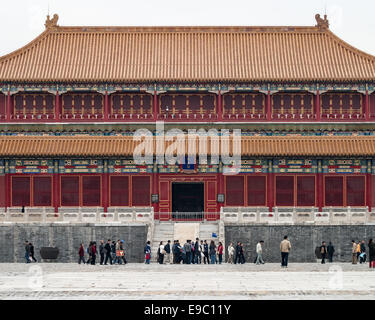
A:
[93,255]
[81,253]
[220,252]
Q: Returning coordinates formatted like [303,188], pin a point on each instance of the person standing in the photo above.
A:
[161,252]
[147,251]
[167,250]
[108,251]
[201,252]
[118,252]
[354,252]
[89,251]
[220,250]
[113,250]
[238,253]
[363,252]
[330,251]
[212,252]
[230,253]
[205,252]
[101,251]
[259,252]
[323,252]
[32,252]
[196,251]
[187,249]
[285,247]
[358,250]
[371,253]
[81,254]
[242,254]
[122,251]
[27,251]
[93,255]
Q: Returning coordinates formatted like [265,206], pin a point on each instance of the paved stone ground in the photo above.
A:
[140,281]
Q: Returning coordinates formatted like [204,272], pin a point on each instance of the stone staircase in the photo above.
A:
[164,231]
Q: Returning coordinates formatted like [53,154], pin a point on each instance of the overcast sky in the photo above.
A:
[22,20]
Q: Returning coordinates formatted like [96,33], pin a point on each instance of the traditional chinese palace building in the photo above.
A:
[71,100]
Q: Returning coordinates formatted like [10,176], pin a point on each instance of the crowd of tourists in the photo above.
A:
[112,252]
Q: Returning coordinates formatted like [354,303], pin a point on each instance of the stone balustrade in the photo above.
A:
[77,215]
[297,215]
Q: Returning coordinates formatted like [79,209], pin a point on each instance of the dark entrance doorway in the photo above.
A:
[187,201]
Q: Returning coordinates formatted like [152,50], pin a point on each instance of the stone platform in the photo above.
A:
[139,281]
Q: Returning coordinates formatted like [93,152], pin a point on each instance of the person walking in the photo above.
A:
[187,249]
[167,249]
[371,253]
[89,252]
[93,254]
[230,253]
[122,249]
[220,250]
[330,251]
[358,250]
[161,252]
[363,252]
[197,254]
[238,253]
[27,252]
[108,251]
[113,251]
[205,252]
[285,247]
[259,252]
[101,251]
[242,253]
[32,252]
[147,252]
[323,252]
[354,252]
[212,252]
[81,254]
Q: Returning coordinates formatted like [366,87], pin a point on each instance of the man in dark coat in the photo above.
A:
[238,253]
[197,254]
[205,252]
[323,252]
[101,251]
[108,251]
[32,252]
[27,251]
[363,250]
[330,251]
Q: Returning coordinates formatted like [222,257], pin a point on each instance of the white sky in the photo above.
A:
[22,20]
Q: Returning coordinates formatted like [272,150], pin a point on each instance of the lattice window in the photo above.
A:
[334,189]
[305,191]
[91,190]
[256,190]
[140,191]
[234,191]
[355,190]
[285,191]
[42,194]
[70,191]
[20,191]
[119,191]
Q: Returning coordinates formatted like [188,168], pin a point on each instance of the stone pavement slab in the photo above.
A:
[140,281]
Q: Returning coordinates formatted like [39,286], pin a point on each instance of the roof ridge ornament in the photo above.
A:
[52,23]
[322,24]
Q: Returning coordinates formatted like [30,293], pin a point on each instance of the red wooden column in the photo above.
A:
[320,186]
[105,189]
[269,109]
[367,110]
[57,106]
[219,107]
[106,111]
[56,186]
[7,191]
[317,105]
[9,106]
[155,190]
[270,187]
[156,111]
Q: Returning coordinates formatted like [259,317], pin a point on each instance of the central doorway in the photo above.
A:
[187,200]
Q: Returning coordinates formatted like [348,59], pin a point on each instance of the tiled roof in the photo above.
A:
[151,54]
[84,146]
